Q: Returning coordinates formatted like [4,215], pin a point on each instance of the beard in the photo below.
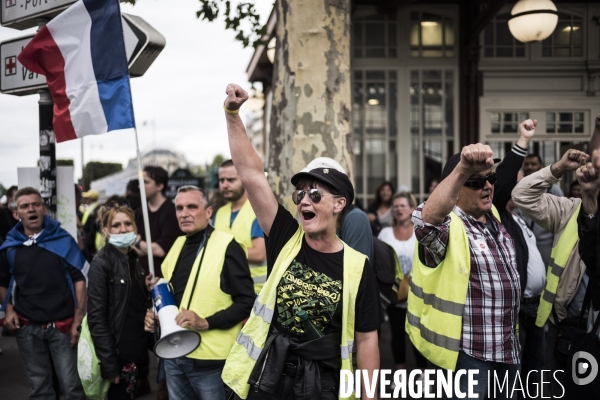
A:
[236,195]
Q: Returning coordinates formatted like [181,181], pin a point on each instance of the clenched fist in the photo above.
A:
[236,96]
[476,157]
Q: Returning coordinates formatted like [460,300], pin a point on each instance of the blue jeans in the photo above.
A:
[187,381]
[481,389]
[39,348]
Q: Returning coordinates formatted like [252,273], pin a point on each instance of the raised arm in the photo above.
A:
[544,208]
[509,168]
[473,158]
[246,161]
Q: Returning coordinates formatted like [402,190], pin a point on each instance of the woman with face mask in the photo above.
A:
[118,300]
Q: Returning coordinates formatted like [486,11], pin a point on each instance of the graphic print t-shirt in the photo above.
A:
[313,282]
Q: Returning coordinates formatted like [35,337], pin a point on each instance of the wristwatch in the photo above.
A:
[588,216]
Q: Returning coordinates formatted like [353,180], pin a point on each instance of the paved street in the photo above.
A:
[14,385]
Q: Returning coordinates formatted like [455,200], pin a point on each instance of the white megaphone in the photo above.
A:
[174,341]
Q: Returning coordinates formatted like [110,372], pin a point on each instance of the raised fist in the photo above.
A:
[527,128]
[476,157]
[572,159]
[588,175]
[236,96]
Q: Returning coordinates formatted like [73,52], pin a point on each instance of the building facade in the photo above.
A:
[407,68]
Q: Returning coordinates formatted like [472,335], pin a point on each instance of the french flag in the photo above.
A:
[82,54]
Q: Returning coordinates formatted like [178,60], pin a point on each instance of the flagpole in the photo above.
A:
[144,204]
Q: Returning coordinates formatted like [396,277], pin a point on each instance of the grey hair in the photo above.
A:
[192,188]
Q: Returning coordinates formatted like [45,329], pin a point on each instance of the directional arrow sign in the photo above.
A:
[143,44]
[21,14]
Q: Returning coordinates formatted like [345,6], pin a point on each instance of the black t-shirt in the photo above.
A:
[185,262]
[43,293]
[133,340]
[314,282]
[164,230]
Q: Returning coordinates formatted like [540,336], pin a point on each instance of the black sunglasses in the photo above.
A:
[314,195]
[479,182]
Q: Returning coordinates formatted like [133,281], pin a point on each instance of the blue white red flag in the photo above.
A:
[82,54]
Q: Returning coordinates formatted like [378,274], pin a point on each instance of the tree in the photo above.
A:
[217,161]
[68,163]
[96,170]
[310,114]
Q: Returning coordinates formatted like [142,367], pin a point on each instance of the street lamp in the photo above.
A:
[533,20]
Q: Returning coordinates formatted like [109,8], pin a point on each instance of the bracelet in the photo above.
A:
[228,111]
[587,216]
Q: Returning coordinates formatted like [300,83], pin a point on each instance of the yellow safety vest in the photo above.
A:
[252,338]
[241,229]
[98,238]
[437,297]
[88,211]
[558,260]
[208,297]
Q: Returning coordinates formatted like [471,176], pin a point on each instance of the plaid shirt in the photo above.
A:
[494,290]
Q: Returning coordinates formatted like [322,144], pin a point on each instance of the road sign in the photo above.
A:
[143,44]
[21,14]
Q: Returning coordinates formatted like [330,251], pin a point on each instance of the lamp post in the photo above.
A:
[533,20]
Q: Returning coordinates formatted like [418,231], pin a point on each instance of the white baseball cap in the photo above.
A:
[324,162]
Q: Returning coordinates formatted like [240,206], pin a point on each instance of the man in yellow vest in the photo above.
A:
[465,290]
[237,218]
[566,280]
[208,272]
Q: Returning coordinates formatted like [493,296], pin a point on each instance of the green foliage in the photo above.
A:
[67,163]
[244,11]
[95,170]
[217,161]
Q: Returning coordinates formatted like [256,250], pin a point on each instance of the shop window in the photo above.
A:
[373,34]
[431,35]
[498,42]
[567,38]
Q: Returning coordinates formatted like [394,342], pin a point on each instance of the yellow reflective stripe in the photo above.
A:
[431,336]
[446,306]
[262,311]
[246,342]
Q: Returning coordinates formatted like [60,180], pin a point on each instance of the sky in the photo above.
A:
[177,103]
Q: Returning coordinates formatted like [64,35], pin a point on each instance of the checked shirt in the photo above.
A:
[493,295]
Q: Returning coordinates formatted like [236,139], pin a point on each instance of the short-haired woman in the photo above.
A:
[278,354]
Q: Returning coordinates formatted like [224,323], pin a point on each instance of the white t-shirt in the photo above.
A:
[536,271]
[405,249]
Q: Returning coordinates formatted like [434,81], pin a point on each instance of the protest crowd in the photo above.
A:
[495,271]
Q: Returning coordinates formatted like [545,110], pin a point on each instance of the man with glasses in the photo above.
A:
[466,268]
[47,267]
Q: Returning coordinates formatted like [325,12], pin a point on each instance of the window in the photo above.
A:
[431,125]
[498,41]
[373,34]
[565,122]
[374,122]
[507,121]
[567,38]
[431,35]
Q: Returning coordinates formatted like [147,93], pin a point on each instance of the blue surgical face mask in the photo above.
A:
[122,240]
